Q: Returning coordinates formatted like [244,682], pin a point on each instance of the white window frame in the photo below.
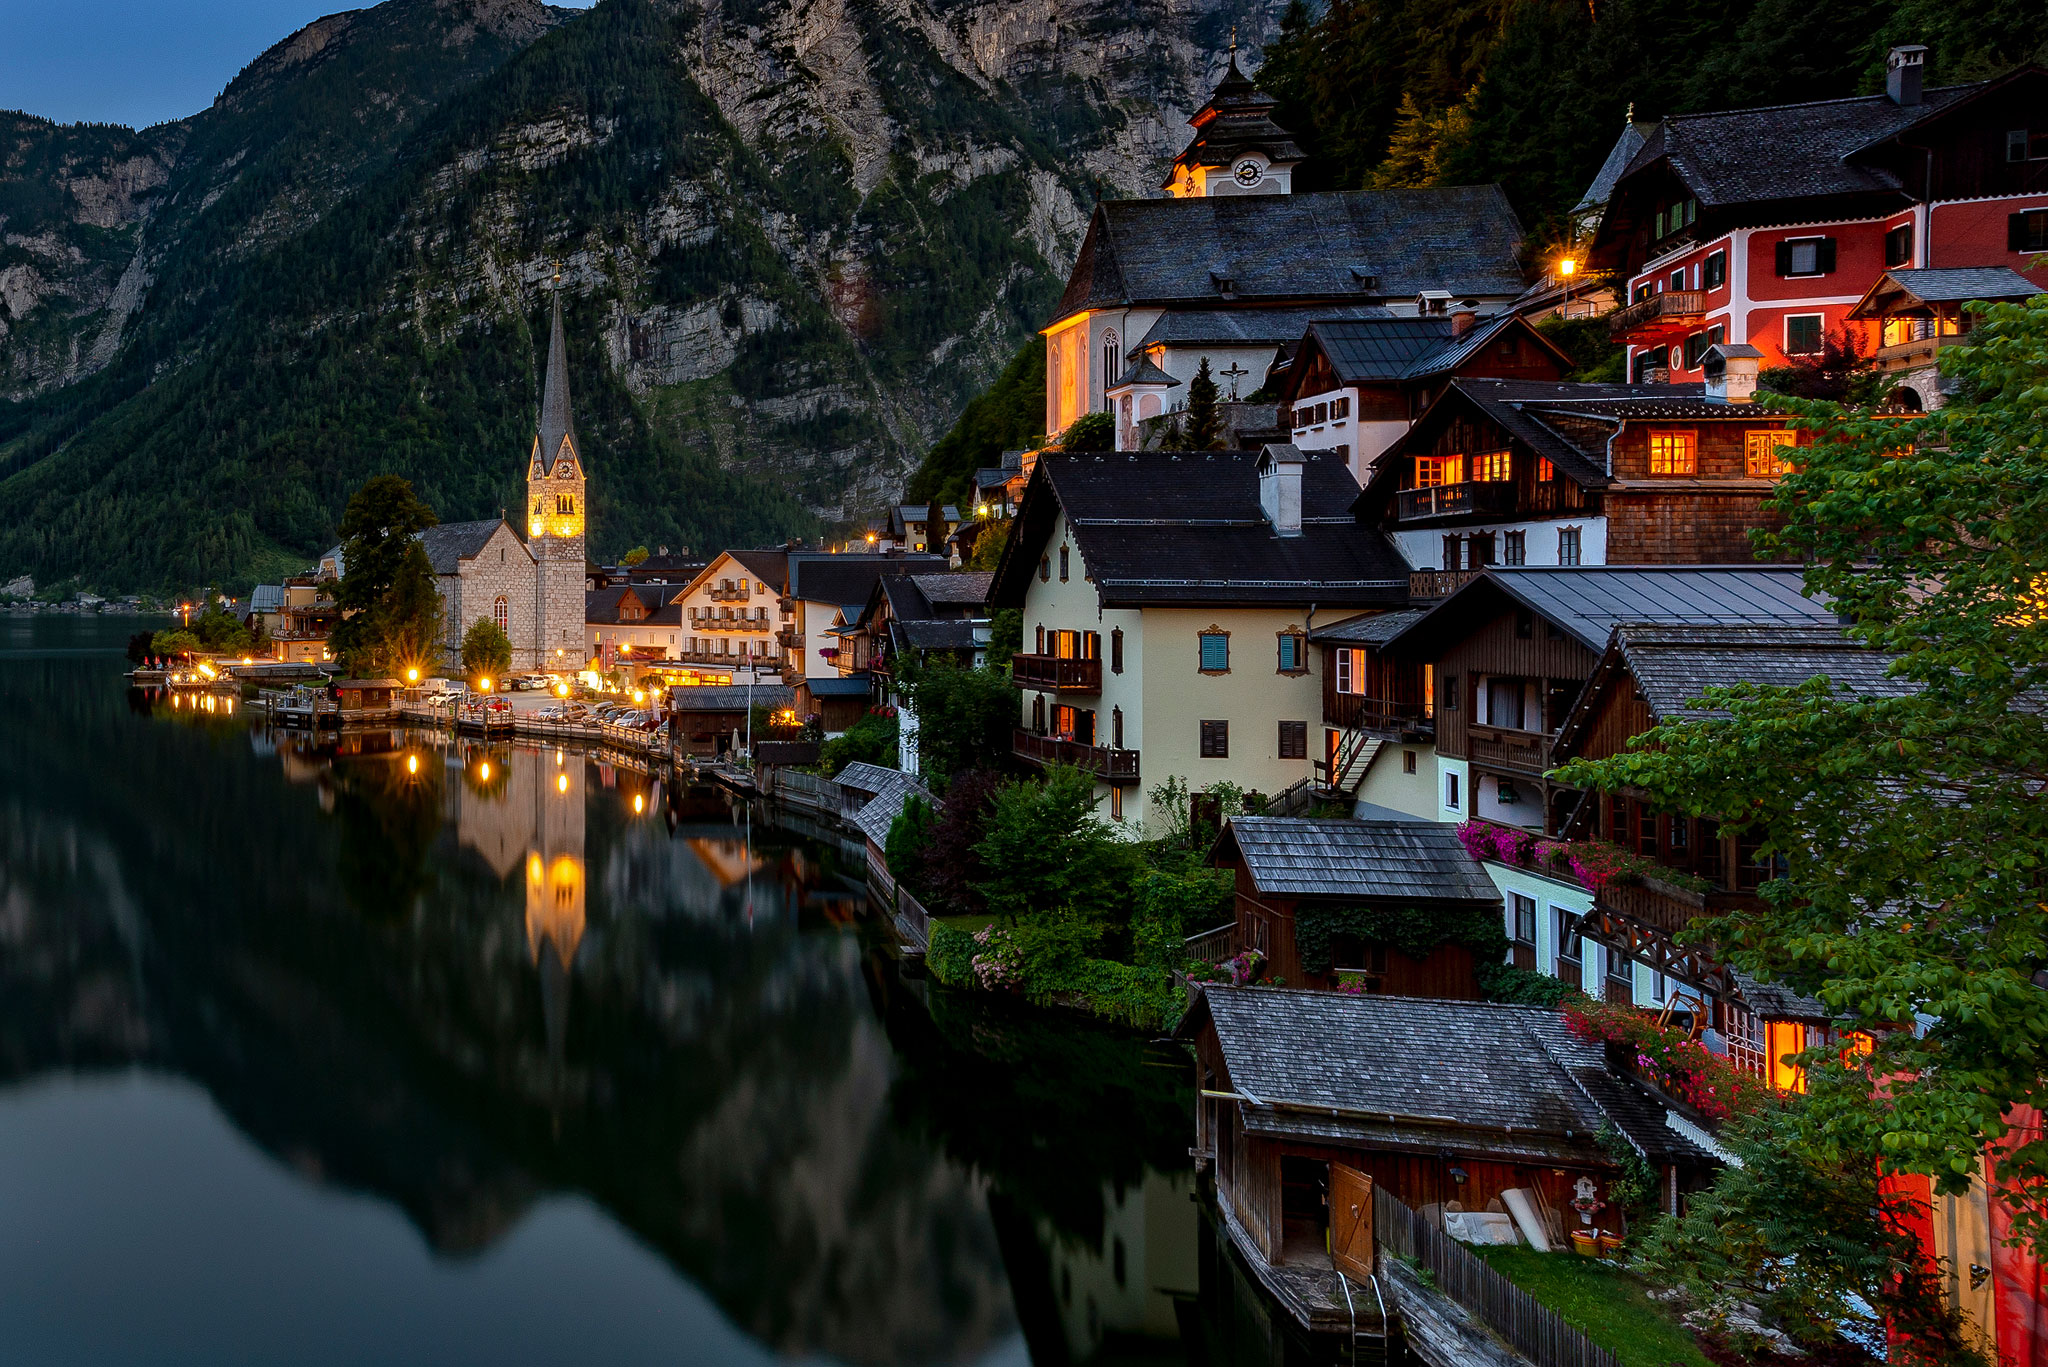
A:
[1786,331]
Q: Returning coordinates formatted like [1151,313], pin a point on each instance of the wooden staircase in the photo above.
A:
[1355,754]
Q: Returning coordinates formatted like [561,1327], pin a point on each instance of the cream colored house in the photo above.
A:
[1167,603]
[730,615]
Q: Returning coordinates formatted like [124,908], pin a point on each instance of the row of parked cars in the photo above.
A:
[608,714]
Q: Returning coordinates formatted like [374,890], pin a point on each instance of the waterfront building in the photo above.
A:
[826,591]
[914,617]
[730,613]
[1167,601]
[1766,226]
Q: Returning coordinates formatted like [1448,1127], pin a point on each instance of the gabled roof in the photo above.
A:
[1458,350]
[821,577]
[266,598]
[1904,289]
[453,542]
[1633,135]
[603,605]
[1670,665]
[965,589]
[1361,246]
[728,697]
[1367,629]
[891,789]
[1272,327]
[1160,527]
[1588,602]
[1367,860]
[1401,1072]
[949,634]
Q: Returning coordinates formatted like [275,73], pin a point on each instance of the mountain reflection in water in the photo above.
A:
[547,1008]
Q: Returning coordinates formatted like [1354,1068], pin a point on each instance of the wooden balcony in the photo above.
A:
[1356,712]
[1500,747]
[1116,767]
[1425,584]
[1656,318]
[1456,500]
[738,594]
[790,637]
[1050,673]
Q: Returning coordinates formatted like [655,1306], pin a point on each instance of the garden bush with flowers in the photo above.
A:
[1668,1058]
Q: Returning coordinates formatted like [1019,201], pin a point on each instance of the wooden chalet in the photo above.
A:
[1370,699]
[1296,879]
[1918,312]
[1517,473]
[1446,1105]
[703,718]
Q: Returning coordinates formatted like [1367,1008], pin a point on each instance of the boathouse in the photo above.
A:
[365,695]
[1448,1106]
[1332,903]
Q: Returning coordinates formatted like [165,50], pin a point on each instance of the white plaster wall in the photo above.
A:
[1423,548]
[1388,783]
[1445,769]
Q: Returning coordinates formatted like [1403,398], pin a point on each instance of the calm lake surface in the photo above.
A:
[396,1051]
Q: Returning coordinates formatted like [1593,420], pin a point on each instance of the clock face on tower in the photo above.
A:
[1247,172]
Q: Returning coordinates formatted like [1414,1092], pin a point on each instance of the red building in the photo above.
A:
[1766,226]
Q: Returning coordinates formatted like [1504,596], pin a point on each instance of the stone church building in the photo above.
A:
[532,588]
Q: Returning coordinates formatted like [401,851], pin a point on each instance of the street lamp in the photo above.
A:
[412,675]
[483,685]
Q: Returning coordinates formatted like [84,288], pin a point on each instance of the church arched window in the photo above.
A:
[501,612]
[1112,360]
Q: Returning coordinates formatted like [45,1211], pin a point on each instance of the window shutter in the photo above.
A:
[1825,256]
[2016,233]
[1116,651]
[1784,258]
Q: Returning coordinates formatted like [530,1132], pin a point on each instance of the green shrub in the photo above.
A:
[871,740]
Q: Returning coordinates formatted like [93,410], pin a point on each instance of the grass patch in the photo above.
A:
[1602,1302]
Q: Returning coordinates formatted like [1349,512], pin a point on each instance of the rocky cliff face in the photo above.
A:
[796,234]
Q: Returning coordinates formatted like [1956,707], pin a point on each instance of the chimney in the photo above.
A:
[1462,321]
[1902,73]
[1731,372]
[1280,488]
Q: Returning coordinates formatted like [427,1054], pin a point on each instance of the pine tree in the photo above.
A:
[1205,422]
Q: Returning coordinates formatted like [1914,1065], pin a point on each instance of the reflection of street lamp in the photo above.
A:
[412,764]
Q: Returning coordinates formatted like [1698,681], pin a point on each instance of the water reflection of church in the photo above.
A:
[525,808]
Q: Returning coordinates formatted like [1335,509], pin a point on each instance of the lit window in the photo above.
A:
[1492,467]
[1350,670]
[501,613]
[1545,471]
[1116,804]
[1431,471]
[1763,453]
[1673,453]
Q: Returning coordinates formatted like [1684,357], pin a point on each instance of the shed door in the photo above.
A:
[1351,1221]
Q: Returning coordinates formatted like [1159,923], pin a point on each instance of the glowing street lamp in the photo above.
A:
[483,685]
[412,675]
[1567,267]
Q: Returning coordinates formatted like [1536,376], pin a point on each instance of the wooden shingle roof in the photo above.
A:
[1421,861]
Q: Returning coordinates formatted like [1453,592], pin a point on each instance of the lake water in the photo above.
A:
[395,1050]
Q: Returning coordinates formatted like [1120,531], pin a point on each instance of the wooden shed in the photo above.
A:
[1300,881]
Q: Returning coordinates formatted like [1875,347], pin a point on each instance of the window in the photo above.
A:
[1116,727]
[1116,813]
[2028,231]
[1492,467]
[1566,928]
[1515,548]
[1714,270]
[1454,552]
[1673,217]
[1646,832]
[1806,256]
[1215,652]
[1450,693]
[1674,453]
[2016,144]
[1695,347]
[1763,453]
[1350,669]
[1431,471]
[1294,740]
[1451,791]
[1063,564]
[1044,568]
[1545,472]
[1293,653]
[1567,545]
[1898,246]
[1677,279]
[1481,551]
[1340,408]
[1215,740]
[1112,363]
[1407,761]
[501,613]
[1647,363]
[1621,977]
[1644,291]
[1428,690]
[1803,333]
[1116,650]
[1524,911]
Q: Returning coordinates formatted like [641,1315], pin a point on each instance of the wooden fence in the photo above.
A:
[1212,946]
[1533,1329]
[807,790]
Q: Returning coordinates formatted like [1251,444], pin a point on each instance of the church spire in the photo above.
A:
[557,426]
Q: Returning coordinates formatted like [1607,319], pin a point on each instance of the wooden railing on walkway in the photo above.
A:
[1531,1328]
[1212,946]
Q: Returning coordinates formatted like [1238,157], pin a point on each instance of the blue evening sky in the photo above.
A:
[138,62]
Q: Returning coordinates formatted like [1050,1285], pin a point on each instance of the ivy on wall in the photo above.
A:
[1418,932]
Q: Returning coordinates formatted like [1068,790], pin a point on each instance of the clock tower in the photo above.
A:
[557,514]
[1237,148]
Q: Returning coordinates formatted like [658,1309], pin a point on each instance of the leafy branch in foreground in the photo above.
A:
[1910,820]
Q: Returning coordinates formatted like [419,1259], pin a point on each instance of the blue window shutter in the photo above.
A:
[1215,651]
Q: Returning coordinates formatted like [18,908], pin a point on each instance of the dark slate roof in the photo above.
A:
[821,577]
[1672,665]
[838,686]
[1166,527]
[452,542]
[891,788]
[1633,136]
[602,605]
[1809,146]
[969,589]
[557,423]
[955,634]
[1589,602]
[770,567]
[1462,349]
[728,697]
[1399,1071]
[1361,246]
[1294,857]
[1943,285]
[1251,326]
[1775,1001]
[1367,629]
[1379,350]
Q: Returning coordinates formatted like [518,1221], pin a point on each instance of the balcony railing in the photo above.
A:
[1118,767]
[790,637]
[729,624]
[739,594]
[1655,903]
[1659,313]
[1438,583]
[1060,675]
[1356,712]
[1456,500]
[1526,752]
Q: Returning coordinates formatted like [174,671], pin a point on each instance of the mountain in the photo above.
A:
[793,238]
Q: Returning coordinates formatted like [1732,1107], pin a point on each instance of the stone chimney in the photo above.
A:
[1902,73]
[1280,488]
[1462,322]
[1731,372]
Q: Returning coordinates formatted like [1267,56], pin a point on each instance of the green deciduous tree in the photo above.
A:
[1045,853]
[1913,826]
[391,609]
[1090,432]
[964,716]
[636,556]
[486,650]
[1204,419]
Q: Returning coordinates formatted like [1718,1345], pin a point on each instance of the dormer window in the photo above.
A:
[1671,217]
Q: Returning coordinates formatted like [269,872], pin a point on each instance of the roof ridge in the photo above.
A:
[1815,104]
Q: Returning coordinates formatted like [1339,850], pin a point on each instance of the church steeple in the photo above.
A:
[1237,148]
[557,424]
